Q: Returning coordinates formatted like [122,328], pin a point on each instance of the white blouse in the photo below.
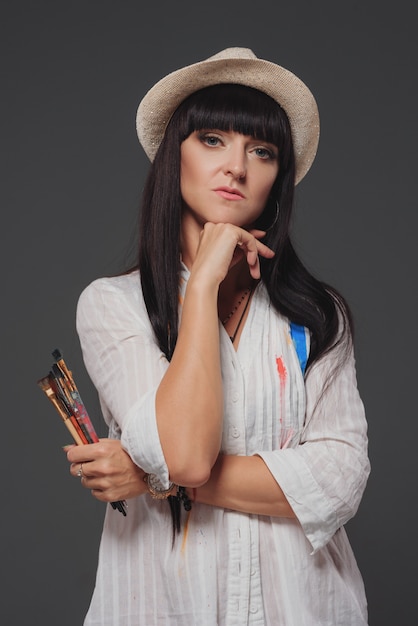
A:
[229,568]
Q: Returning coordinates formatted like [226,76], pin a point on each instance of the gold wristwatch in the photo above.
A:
[155,487]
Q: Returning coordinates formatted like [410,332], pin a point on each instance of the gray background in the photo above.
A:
[72,172]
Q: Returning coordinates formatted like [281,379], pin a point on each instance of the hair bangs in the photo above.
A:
[237,108]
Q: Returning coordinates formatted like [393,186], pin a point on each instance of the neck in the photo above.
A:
[234,284]
[238,278]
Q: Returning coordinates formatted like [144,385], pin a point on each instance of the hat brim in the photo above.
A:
[158,105]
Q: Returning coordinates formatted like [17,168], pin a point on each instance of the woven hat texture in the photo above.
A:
[238,66]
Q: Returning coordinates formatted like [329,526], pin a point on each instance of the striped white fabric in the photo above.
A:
[229,568]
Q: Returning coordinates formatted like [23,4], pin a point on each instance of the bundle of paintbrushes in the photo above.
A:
[61,390]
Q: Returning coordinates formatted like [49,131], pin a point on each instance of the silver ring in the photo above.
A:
[80,471]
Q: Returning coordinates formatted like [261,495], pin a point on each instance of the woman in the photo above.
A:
[226,374]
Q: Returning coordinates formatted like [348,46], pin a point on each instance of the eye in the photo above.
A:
[210,139]
[265,153]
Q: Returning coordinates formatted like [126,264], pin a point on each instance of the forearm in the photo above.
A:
[189,401]
[244,483]
[237,482]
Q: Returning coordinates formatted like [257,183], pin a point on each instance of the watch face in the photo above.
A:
[156,487]
[155,483]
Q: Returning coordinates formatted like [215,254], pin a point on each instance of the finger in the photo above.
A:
[81,470]
[252,249]
[82,454]
[98,490]
[250,240]
[99,495]
[257,233]
[76,470]
[90,482]
[254,264]
[251,255]
[264,250]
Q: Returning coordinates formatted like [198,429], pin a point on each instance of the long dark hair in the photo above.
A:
[293,290]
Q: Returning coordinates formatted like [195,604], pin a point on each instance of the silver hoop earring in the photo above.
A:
[276,217]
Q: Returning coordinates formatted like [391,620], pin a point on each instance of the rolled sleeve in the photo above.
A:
[141,427]
[309,503]
[125,365]
[325,474]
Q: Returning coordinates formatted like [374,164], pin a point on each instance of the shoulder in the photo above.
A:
[111,300]
[126,288]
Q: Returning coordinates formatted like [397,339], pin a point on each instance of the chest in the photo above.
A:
[264,391]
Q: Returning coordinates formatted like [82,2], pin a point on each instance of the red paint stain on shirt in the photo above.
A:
[281,369]
[282,378]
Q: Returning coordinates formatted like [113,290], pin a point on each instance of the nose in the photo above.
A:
[235,163]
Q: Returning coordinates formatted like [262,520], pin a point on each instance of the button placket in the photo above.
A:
[240,552]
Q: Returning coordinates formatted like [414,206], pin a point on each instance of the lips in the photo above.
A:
[229,193]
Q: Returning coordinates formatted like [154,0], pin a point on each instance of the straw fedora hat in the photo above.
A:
[238,66]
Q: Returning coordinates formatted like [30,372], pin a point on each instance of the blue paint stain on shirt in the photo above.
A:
[298,334]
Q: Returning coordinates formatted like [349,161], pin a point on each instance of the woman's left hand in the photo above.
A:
[107,470]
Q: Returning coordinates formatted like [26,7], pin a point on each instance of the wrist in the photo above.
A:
[158,492]
[156,489]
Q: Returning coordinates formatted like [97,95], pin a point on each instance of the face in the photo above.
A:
[226,177]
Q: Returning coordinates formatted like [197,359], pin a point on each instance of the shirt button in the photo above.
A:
[235,396]
[253,609]
[235,432]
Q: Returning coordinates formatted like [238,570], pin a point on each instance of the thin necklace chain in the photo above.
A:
[247,292]
[236,307]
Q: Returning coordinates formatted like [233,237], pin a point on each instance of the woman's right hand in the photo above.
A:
[221,246]
[189,400]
